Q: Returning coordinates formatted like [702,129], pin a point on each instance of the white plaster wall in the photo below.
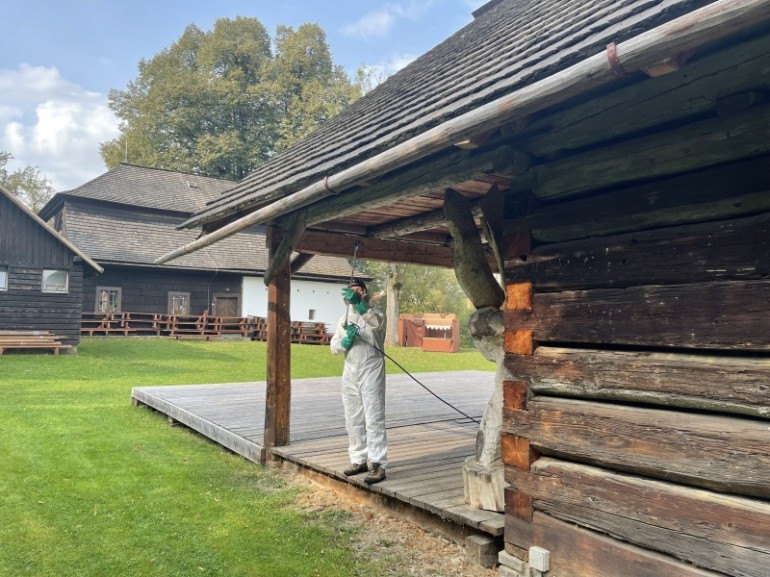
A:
[322,297]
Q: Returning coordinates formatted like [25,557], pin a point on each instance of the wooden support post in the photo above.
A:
[278,395]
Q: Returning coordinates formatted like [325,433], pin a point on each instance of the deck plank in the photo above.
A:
[427,440]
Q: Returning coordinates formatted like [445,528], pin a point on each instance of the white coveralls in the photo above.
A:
[363,386]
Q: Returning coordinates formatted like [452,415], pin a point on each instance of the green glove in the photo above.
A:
[351,296]
[361,307]
[347,340]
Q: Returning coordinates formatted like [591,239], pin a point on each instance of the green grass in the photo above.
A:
[92,486]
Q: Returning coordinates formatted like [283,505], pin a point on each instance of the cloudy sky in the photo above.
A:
[58,60]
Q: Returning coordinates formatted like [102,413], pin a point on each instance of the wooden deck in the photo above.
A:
[428,441]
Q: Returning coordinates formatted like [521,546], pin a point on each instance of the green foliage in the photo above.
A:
[220,103]
[92,486]
[423,290]
[26,183]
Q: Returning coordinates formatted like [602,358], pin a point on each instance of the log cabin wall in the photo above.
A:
[146,290]
[637,260]
[26,248]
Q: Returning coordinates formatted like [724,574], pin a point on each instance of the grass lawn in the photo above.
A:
[92,486]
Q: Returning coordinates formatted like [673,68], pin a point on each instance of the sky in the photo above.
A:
[59,60]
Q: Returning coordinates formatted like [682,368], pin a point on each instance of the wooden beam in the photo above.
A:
[427,176]
[293,229]
[388,250]
[719,315]
[705,382]
[578,551]
[691,198]
[415,224]
[470,261]
[299,261]
[697,145]
[278,394]
[722,532]
[679,446]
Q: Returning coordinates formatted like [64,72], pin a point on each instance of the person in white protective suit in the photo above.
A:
[363,382]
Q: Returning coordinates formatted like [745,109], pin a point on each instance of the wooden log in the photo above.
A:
[719,532]
[278,389]
[581,552]
[292,231]
[712,383]
[726,454]
[470,262]
[388,250]
[701,144]
[724,315]
[690,92]
[720,250]
[706,195]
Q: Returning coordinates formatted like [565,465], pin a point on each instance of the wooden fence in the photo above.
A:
[202,326]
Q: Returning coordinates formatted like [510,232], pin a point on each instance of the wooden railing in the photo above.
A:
[193,326]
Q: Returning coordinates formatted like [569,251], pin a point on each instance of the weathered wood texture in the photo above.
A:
[719,532]
[146,290]
[578,551]
[706,195]
[27,248]
[689,93]
[698,145]
[717,452]
[726,249]
[278,395]
[428,441]
[739,385]
[471,268]
[722,315]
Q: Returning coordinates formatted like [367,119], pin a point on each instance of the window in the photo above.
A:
[178,303]
[108,299]
[55,281]
[311,315]
[3,277]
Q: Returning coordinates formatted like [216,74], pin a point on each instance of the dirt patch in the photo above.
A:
[397,547]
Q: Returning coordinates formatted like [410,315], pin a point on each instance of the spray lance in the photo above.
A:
[352,274]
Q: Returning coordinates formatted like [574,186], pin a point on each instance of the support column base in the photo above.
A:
[484,485]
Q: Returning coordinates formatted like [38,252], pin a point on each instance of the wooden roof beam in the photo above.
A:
[388,250]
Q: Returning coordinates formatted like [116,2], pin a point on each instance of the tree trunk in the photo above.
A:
[393,309]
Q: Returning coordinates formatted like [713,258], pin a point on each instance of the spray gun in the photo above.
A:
[352,274]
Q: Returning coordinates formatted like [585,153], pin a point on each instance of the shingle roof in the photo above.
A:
[153,188]
[511,44]
[65,241]
[115,235]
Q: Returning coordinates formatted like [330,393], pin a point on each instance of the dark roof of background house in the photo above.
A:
[512,43]
[130,215]
[113,235]
[154,188]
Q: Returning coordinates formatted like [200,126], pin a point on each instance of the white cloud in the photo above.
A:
[53,124]
[379,22]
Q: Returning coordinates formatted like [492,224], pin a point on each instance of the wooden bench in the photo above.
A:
[31,340]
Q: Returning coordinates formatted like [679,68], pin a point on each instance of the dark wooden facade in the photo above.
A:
[145,290]
[27,248]
[616,159]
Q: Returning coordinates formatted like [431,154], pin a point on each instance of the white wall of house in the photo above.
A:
[320,300]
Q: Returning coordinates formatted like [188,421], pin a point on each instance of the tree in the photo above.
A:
[220,103]
[32,188]
[417,289]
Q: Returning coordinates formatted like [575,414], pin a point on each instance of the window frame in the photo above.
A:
[175,294]
[5,273]
[119,290]
[51,271]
